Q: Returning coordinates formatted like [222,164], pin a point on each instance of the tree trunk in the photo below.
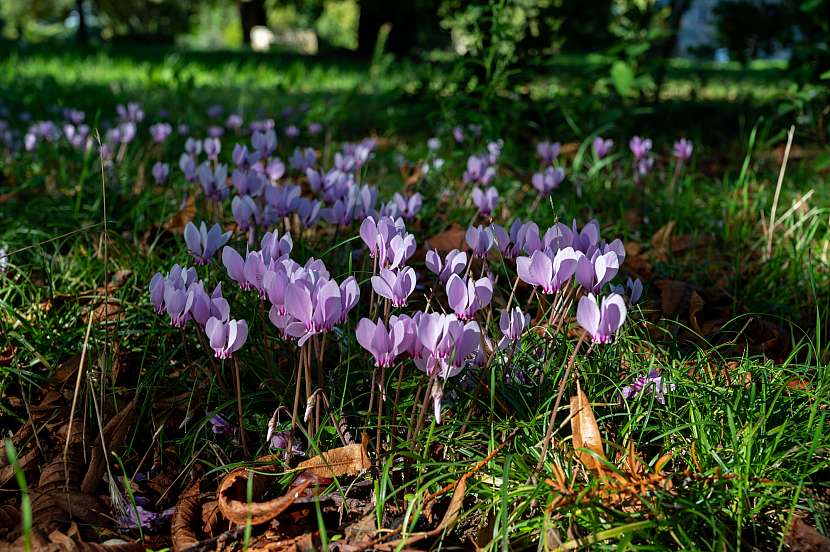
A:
[82,34]
[251,14]
[401,15]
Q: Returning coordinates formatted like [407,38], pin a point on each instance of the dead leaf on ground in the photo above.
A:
[675,296]
[586,433]
[451,238]
[185,518]
[802,537]
[177,222]
[348,460]
[233,503]
[661,242]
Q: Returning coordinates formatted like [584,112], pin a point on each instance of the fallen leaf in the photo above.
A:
[114,432]
[674,296]
[586,433]
[451,238]
[233,503]
[802,537]
[661,242]
[695,307]
[177,222]
[182,526]
[348,460]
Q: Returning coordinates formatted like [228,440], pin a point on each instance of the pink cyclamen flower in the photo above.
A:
[161,171]
[385,344]
[313,309]
[206,306]
[512,324]
[467,298]
[485,200]
[549,273]
[644,165]
[549,180]
[682,149]
[601,321]
[548,152]
[479,170]
[203,243]
[226,337]
[395,286]
[640,147]
[455,263]
[408,207]
[602,146]
[594,272]
[646,385]
[160,132]
[246,212]
[276,247]
[480,240]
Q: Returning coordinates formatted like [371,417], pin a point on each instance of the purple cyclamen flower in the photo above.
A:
[594,272]
[646,385]
[203,243]
[635,290]
[682,149]
[246,213]
[314,129]
[234,121]
[177,303]
[220,426]
[395,286]
[480,240]
[548,180]
[479,170]
[465,299]
[456,262]
[193,147]
[188,167]
[434,144]
[312,310]
[292,131]
[215,111]
[247,182]
[521,237]
[303,159]
[157,292]
[640,147]
[309,211]
[458,134]
[160,132]
[512,324]
[226,337]
[486,200]
[548,152]
[212,147]
[408,207]
[602,146]
[275,170]
[161,171]
[214,183]
[206,306]
[601,321]
[385,344]
[276,247]
[548,273]
[264,142]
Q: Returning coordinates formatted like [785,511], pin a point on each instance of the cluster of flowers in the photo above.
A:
[481,169]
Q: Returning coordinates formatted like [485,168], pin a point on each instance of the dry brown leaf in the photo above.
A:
[182,526]
[674,296]
[25,461]
[114,432]
[695,307]
[212,519]
[348,460]
[178,221]
[232,494]
[804,538]
[661,242]
[451,238]
[586,433]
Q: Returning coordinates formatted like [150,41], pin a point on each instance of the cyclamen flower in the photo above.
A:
[548,273]
[234,121]
[512,324]
[160,132]
[214,183]
[276,247]
[248,182]
[215,111]
[292,131]
[303,159]
[456,262]
[385,344]
[479,170]
[434,144]
[682,149]
[548,180]
[548,152]
[193,147]
[465,299]
[203,243]
[226,337]
[264,142]
[601,321]
[594,272]
[246,213]
[160,172]
[309,211]
[602,146]
[458,134]
[395,286]
[521,237]
[408,207]
[635,290]
[188,167]
[314,129]
[312,310]
[646,385]
[480,240]
[212,147]
[485,201]
[206,306]
[640,147]
[644,165]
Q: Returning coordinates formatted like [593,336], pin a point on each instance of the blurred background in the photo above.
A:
[723,64]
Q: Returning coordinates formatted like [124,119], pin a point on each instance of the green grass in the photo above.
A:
[749,448]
